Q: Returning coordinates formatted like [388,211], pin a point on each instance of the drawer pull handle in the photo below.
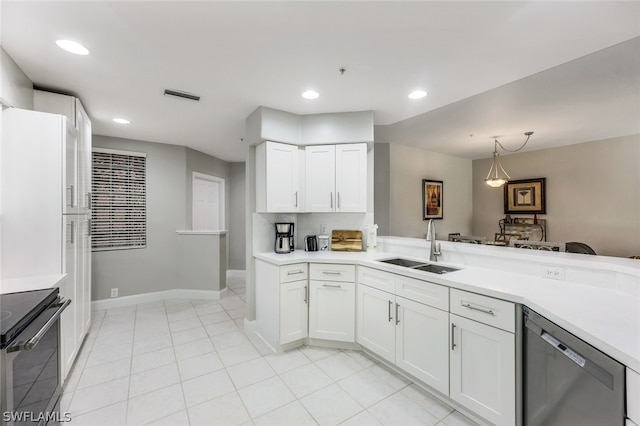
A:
[295,272]
[390,317]
[473,308]
[331,285]
[332,273]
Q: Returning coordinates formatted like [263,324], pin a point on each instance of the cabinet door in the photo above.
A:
[320,178]
[351,177]
[483,370]
[293,311]
[84,158]
[282,177]
[71,170]
[84,275]
[376,324]
[68,322]
[332,310]
[422,342]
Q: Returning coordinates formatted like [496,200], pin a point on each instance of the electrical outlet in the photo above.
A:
[323,229]
[553,272]
[114,292]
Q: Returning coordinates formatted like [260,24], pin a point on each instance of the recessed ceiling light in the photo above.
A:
[417,94]
[121,121]
[72,47]
[310,94]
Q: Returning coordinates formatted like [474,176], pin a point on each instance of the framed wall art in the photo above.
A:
[525,196]
[432,207]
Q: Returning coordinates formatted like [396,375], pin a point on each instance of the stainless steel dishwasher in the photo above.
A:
[567,382]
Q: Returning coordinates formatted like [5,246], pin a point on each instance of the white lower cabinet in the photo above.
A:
[376,327]
[468,354]
[483,370]
[421,342]
[411,335]
[332,308]
[281,303]
[332,302]
[293,311]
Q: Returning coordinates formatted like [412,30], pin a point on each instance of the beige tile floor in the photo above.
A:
[188,362]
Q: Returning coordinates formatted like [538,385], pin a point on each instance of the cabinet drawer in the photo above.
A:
[332,272]
[495,312]
[294,272]
[423,292]
[377,279]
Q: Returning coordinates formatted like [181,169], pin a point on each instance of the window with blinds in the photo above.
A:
[119,202]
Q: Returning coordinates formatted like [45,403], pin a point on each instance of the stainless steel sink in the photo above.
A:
[436,269]
[422,266]
[403,262]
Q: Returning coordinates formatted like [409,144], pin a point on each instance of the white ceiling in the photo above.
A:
[240,55]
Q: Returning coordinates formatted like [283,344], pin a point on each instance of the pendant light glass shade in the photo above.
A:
[497,176]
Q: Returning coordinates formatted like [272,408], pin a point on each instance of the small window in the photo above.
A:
[119,202]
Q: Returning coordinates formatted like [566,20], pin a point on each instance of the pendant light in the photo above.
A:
[497,176]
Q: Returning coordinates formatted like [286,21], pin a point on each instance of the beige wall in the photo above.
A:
[593,193]
[407,167]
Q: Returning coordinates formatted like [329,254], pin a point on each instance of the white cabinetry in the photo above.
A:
[332,302]
[46,207]
[277,178]
[483,370]
[78,165]
[293,311]
[404,331]
[376,329]
[421,342]
[281,303]
[336,178]
[468,354]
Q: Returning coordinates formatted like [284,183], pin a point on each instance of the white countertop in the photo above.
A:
[605,318]
[14,285]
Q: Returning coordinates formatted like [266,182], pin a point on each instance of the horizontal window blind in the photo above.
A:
[119,202]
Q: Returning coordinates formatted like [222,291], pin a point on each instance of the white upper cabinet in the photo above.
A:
[78,149]
[277,178]
[320,178]
[336,178]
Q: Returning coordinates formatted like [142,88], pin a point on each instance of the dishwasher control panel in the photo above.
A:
[569,353]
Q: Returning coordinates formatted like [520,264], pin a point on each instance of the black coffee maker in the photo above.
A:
[284,237]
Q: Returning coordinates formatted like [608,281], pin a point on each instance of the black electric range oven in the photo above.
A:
[30,382]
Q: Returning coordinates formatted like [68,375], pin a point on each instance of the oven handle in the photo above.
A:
[33,342]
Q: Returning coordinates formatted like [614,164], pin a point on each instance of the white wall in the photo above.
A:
[169,261]
[407,167]
[593,193]
[236,225]
[16,90]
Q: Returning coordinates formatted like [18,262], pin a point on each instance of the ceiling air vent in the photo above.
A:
[183,95]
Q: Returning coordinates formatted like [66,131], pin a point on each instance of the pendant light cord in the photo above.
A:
[527,134]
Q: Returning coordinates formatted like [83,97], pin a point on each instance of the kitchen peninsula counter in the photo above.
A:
[597,299]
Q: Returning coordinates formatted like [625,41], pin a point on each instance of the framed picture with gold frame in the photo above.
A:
[525,196]
[432,206]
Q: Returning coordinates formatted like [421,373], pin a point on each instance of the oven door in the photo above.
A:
[31,384]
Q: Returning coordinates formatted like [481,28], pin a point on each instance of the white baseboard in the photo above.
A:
[249,326]
[236,273]
[135,299]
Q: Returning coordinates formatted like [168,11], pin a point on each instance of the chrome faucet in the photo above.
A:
[434,252]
